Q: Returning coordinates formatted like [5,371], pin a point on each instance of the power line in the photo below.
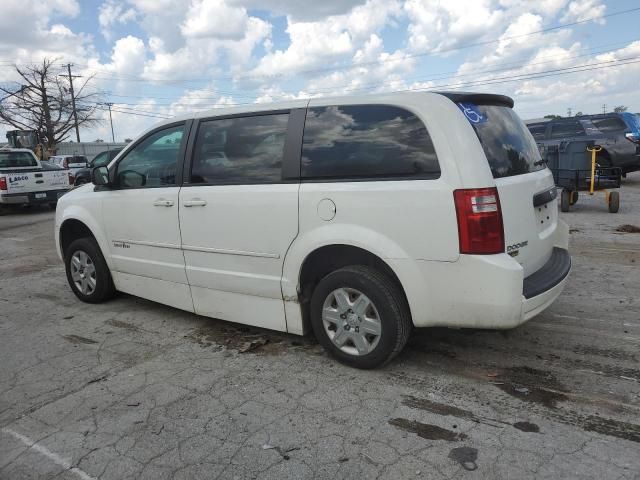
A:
[134,113]
[362,87]
[465,84]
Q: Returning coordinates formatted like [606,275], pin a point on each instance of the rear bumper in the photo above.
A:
[484,291]
[50,196]
[543,287]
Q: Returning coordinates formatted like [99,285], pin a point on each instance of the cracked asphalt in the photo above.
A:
[132,389]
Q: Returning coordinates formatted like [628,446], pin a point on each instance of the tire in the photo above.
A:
[565,200]
[614,202]
[387,309]
[573,199]
[85,253]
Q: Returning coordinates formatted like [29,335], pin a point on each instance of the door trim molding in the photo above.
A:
[193,248]
[225,251]
[146,244]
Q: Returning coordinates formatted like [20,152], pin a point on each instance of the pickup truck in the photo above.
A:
[25,181]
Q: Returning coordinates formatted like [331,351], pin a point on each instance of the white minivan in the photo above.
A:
[355,217]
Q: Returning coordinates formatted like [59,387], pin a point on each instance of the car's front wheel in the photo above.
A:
[87,271]
[360,316]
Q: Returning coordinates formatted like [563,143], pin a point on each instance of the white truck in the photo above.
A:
[25,181]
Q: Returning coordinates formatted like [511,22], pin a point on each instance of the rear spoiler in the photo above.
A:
[479,98]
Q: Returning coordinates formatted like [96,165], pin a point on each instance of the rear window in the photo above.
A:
[537,130]
[366,142]
[609,124]
[508,145]
[77,159]
[17,159]
[572,128]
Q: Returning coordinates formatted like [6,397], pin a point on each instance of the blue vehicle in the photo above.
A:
[617,133]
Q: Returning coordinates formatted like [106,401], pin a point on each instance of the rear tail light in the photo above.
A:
[3,183]
[480,229]
[72,179]
[65,163]
[632,137]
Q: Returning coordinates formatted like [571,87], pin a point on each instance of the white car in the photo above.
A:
[355,217]
[73,163]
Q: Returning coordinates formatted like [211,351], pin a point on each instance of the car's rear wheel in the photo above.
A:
[87,271]
[360,316]
[614,202]
[565,200]
[574,198]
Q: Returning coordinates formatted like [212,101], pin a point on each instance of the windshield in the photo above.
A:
[507,143]
[17,159]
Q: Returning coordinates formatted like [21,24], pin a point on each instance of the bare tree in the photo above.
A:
[620,109]
[42,102]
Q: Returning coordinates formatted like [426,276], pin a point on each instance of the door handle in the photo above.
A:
[196,202]
[161,202]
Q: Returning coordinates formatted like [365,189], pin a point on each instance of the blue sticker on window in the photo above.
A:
[472,113]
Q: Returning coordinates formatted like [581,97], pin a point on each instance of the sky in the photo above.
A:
[154,59]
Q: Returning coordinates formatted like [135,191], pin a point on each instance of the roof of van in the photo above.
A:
[471,97]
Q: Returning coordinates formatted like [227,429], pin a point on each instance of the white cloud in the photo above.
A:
[318,43]
[215,19]
[436,25]
[26,34]
[113,12]
[580,10]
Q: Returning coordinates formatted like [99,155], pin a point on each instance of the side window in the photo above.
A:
[240,150]
[567,129]
[366,141]
[153,162]
[538,130]
[609,124]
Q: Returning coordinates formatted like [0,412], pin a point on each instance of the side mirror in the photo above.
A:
[100,176]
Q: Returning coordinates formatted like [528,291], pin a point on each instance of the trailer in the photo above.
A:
[575,169]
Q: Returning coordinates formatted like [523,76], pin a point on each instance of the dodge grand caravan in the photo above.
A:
[356,218]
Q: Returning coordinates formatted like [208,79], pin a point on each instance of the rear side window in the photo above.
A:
[609,124]
[537,130]
[240,150]
[366,141]
[567,129]
[508,145]
[17,159]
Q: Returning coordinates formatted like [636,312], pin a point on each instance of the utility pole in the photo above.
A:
[604,108]
[569,112]
[73,100]
[113,137]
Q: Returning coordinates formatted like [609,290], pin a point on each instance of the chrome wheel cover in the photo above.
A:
[351,321]
[83,272]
